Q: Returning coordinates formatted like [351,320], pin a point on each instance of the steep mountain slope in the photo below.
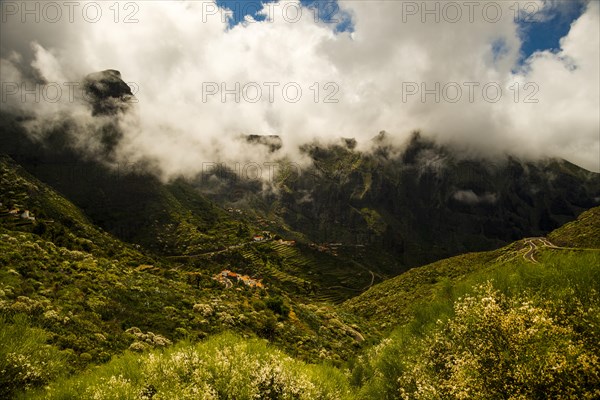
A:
[129,203]
[92,296]
[426,202]
[414,204]
[28,205]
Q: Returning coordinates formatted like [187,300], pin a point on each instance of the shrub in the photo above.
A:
[278,306]
[500,347]
[223,367]
[26,361]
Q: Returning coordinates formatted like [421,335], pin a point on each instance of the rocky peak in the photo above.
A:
[107,93]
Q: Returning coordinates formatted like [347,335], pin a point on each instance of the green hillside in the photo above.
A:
[396,300]
[54,217]
[84,314]
[585,232]
[525,326]
[518,330]
[79,294]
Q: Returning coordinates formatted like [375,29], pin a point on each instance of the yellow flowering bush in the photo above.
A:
[223,367]
[500,347]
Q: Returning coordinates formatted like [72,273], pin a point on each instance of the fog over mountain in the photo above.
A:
[301,199]
[178,54]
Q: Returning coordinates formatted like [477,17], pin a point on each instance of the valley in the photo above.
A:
[96,299]
[411,213]
[338,280]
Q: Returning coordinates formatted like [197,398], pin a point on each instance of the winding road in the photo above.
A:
[536,242]
[532,248]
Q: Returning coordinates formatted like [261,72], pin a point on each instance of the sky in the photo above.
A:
[493,78]
[326,10]
[545,33]
[537,33]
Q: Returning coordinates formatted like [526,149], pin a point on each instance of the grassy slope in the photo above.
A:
[57,219]
[548,310]
[584,232]
[516,330]
[222,367]
[63,268]
[393,301]
[80,288]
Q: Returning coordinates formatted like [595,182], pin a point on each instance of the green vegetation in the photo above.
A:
[395,301]
[86,315]
[222,367]
[519,330]
[392,302]
[26,361]
[522,330]
[89,296]
[88,303]
[583,233]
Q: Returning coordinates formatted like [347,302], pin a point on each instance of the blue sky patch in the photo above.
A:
[543,32]
[324,10]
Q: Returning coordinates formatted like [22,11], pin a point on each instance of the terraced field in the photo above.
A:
[328,274]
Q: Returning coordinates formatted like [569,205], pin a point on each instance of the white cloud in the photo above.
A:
[177,46]
[470,197]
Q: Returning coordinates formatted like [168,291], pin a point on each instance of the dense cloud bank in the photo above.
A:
[201,84]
